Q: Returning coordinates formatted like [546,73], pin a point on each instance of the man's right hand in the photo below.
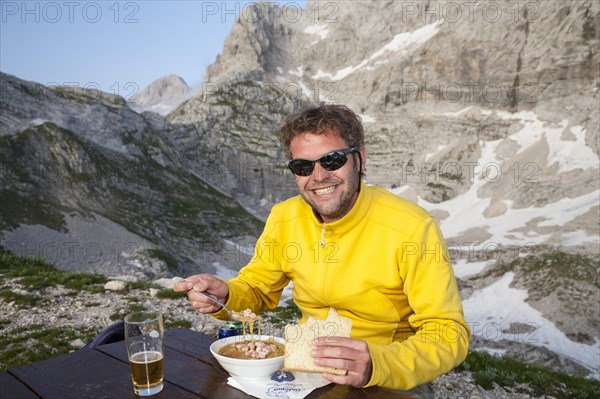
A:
[207,284]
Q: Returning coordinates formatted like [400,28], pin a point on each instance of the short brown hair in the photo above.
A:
[317,119]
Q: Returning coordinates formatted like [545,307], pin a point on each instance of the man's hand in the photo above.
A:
[207,284]
[344,353]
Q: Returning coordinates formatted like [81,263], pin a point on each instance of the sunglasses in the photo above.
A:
[331,161]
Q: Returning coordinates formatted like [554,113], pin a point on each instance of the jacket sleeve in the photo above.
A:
[441,336]
[259,284]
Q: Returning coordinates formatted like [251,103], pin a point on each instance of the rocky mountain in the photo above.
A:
[462,104]
[89,184]
[161,96]
[483,113]
[235,126]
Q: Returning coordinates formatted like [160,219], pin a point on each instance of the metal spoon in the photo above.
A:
[231,313]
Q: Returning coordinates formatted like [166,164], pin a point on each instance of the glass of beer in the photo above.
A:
[144,340]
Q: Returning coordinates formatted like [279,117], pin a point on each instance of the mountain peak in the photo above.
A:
[162,95]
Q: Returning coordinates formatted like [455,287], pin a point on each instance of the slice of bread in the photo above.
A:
[299,341]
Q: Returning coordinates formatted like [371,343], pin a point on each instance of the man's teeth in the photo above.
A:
[326,190]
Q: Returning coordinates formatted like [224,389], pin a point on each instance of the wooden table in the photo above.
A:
[190,372]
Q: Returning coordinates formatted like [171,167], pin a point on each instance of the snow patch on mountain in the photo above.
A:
[463,268]
[299,71]
[567,146]
[408,41]
[318,30]
[567,151]
[401,44]
[491,311]
[162,96]
[466,213]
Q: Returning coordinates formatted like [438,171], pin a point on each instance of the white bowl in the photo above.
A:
[247,368]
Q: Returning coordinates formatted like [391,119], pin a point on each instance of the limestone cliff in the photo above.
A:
[478,111]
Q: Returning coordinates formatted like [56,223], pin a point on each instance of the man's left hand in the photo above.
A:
[344,353]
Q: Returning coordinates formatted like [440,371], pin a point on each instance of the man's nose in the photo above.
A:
[319,173]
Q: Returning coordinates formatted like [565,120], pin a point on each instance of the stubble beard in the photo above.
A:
[336,210]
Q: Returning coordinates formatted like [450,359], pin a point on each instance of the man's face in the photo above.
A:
[330,194]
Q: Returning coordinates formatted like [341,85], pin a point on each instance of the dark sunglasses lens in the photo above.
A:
[301,167]
[334,161]
[330,162]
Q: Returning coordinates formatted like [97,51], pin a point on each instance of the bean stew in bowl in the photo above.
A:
[249,357]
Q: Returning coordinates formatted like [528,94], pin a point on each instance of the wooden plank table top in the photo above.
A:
[190,372]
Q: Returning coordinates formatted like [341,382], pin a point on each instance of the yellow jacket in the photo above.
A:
[384,265]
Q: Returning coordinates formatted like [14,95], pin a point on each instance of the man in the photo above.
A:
[377,259]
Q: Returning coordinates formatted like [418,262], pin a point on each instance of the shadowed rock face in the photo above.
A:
[93,186]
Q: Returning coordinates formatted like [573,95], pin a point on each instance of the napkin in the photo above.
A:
[283,384]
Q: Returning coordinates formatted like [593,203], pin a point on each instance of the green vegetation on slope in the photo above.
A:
[34,343]
[506,371]
[35,274]
[31,276]
[556,265]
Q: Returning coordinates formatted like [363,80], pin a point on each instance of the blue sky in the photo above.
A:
[115,46]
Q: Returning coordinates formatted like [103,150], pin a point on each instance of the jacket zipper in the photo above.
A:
[324,265]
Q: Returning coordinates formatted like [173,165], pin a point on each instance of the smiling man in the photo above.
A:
[330,192]
[379,260]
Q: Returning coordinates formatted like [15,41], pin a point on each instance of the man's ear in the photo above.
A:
[363,157]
